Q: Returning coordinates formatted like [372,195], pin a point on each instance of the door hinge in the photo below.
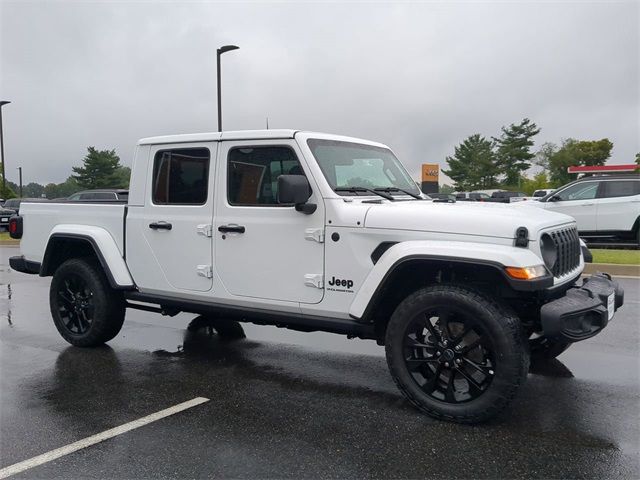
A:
[314,280]
[314,234]
[205,271]
[205,229]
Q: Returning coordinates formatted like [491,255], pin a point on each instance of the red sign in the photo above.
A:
[632,167]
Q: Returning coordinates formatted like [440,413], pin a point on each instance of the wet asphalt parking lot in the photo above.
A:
[288,404]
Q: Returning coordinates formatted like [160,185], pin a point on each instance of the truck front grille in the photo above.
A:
[567,244]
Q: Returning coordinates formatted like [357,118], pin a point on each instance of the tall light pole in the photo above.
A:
[219,52]
[20,173]
[4,179]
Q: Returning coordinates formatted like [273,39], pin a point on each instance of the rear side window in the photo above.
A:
[620,188]
[181,176]
[104,196]
[252,174]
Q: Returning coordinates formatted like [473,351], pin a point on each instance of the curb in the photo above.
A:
[613,269]
[9,243]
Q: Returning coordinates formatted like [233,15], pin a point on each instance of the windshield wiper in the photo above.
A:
[363,189]
[401,190]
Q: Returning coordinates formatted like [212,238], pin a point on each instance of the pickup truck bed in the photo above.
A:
[49,217]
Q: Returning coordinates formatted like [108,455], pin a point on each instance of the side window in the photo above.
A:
[252,174]
[621,188]
[181,176]
[75,196]
[580,191]
[104,196]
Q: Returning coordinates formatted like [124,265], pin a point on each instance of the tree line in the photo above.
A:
[99,169]
[481,163]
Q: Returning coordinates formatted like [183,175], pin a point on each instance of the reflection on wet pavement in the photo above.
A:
[290,404]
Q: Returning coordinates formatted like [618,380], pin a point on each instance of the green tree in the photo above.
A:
[473,164]
[7,192]
[123,174]
[638,159]
[513,150]
[560,160]
[446,189]
[538,182]
[100,169]
[573,153]
[62,190]
[592,152]
[32,190]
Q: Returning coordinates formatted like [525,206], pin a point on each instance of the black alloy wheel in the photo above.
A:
[75,304]
[456,353]
[449,355]
[86,311]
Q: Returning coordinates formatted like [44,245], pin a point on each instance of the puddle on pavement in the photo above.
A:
[5,303]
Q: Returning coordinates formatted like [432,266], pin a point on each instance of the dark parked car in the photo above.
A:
[471,197]
[5,215]
[443,197]
[14,203]
[101,194]
[506,197]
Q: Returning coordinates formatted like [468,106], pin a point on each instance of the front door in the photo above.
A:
[263,249]
[171,247]
[578,201]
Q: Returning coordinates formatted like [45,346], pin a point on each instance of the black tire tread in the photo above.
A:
[511,324]
[102,329]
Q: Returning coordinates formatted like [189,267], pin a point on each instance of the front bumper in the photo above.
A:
[583,311]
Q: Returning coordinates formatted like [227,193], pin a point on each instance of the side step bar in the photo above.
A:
[293,321]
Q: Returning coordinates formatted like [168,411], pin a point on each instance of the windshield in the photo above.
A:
[347,165]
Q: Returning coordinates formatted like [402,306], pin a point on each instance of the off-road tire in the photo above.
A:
[500,323]
[107,309]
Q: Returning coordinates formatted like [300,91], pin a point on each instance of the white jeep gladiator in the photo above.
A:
[320,232]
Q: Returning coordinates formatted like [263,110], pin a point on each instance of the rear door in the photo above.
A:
[618,205]
[169,243]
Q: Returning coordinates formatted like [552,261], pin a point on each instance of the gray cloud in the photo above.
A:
[417,76]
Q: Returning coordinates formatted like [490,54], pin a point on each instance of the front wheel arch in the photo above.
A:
[410,275]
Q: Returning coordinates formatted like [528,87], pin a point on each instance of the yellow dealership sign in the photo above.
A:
[430,172]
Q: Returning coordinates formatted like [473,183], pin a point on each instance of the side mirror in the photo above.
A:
[295,189]
[554,198]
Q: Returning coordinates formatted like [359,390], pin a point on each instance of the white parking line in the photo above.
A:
[93,439]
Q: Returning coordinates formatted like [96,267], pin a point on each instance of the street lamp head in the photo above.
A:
[227,48]
[4,102]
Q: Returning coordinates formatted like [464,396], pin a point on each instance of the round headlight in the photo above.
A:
[548,250]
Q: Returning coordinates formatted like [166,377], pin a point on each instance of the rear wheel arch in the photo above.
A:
[62,247]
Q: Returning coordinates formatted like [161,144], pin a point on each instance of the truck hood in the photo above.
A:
[464,218]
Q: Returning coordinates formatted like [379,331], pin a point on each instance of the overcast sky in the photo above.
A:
[419,77]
